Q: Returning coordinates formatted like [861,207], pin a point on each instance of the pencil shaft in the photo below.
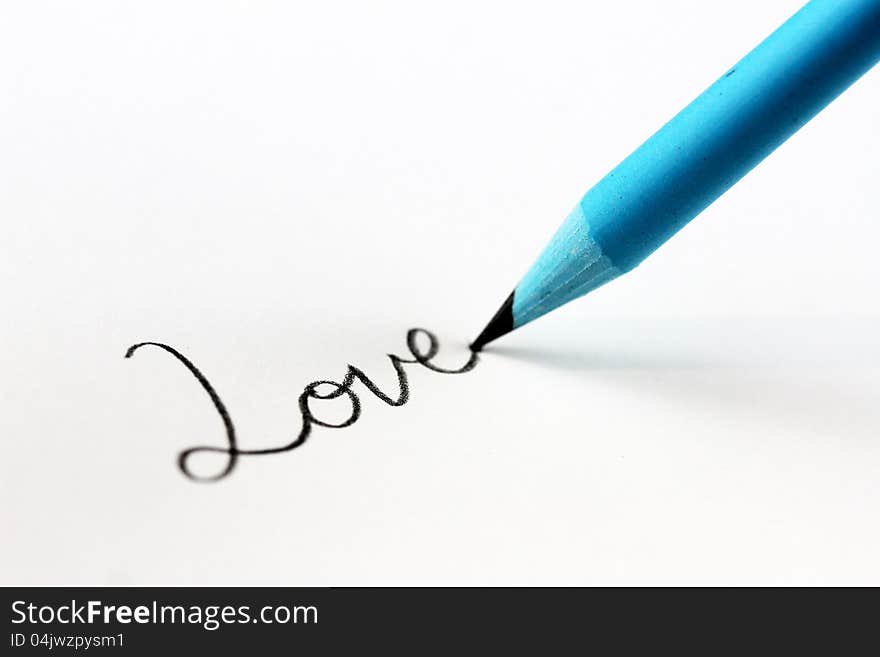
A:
[713,142]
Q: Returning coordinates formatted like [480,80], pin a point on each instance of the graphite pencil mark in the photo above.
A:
[337,389]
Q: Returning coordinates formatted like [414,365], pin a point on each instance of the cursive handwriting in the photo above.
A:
[232,451]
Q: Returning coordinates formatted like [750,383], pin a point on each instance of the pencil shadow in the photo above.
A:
[579,360]
[824,398]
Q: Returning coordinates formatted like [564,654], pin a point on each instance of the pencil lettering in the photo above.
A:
[324,389]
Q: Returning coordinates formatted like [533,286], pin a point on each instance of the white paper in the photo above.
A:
[281,191]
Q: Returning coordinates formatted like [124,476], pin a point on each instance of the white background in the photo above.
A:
[279,189]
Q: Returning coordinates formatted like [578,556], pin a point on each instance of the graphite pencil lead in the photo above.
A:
[499,325]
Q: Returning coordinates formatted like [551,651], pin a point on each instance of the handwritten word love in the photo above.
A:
[233,452]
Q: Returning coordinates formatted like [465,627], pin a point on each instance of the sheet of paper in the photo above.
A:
[280,192]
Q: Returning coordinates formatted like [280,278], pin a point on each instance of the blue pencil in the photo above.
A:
[692,160]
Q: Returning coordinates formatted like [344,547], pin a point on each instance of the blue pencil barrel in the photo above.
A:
[732,126]
[712,143]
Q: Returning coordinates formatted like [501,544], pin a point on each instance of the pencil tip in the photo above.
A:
[500,324]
